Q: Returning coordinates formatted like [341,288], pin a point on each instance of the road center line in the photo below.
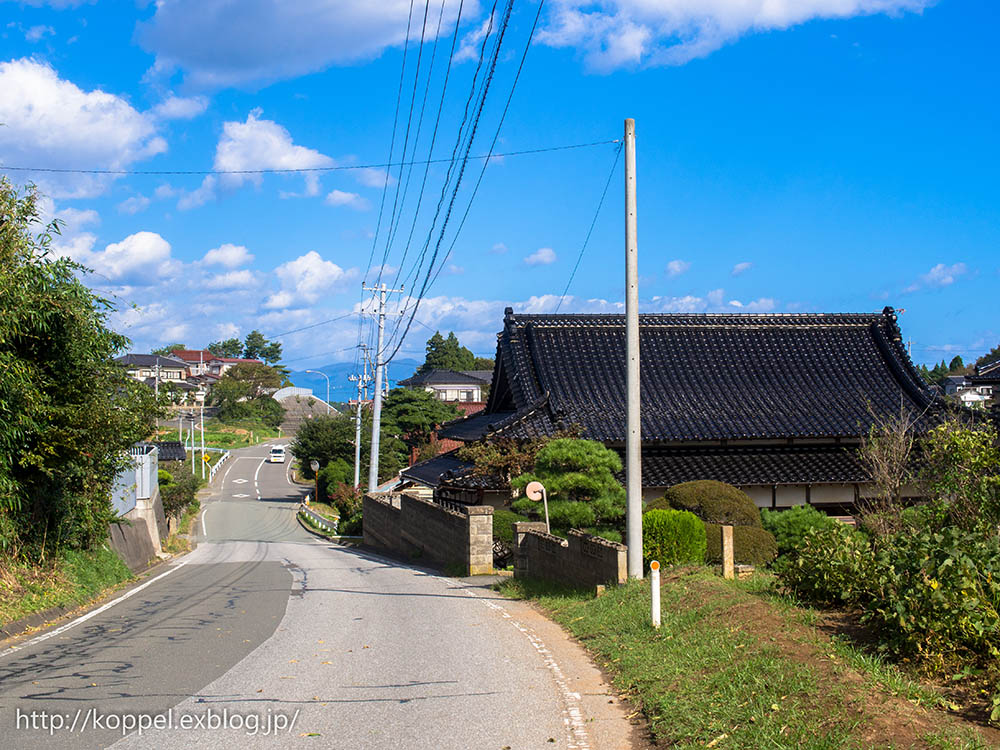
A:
[99,610]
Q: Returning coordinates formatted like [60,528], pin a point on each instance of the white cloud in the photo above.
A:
[741,268]
[224,43]
[306,279]
[715,297]
[499,249]
[351,200]
[228,256]
[133,205]
[472,42]
[48,121]
[455,270]
[37,33]
[198,197]
[677,267]
[231,280]
[164,191]
[541,257]
[626,33]
[263,144]
[764,304]
[180,108]
[939,276]
[373,178]
[141,259]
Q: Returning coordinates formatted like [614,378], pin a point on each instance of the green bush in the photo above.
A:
[336,472]
[833,566]
[789,527]
[673,537]
[164,477]
[751,545]
[351,527]
[712,502]
[178,496]
[936,595]
[503,525]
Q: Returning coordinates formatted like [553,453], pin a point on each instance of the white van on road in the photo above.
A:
[277,455]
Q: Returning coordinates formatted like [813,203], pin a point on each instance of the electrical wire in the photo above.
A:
[301,170]
[600,203]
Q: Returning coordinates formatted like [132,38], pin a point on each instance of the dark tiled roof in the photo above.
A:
[150,360]
[430,472]
[443,377]
[664,467]
[485,375]
[989,367]
[171,450]
[704,377]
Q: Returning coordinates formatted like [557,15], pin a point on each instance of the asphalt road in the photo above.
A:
[266,636]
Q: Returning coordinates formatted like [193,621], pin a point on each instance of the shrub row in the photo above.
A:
[933,594]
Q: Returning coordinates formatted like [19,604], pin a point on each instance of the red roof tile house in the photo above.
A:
[775,404]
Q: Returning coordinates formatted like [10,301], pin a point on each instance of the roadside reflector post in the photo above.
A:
[728,566]
[654,590]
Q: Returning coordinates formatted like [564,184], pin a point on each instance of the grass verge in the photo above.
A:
[72,579]
[731,669]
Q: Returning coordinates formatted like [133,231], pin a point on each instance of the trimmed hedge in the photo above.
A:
[713,502]
[791,526]
[673,537]
[752,545]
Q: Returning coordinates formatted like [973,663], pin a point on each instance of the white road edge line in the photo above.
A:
[204,531]
[576,727]
[257,473]
[94,613]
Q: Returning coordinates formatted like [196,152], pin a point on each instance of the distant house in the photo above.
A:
[218,366]
[773,403]
[450,385]
[163,369]
[197,359]
[974,391]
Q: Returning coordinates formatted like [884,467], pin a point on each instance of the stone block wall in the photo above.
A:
[381,521]
[417,528]
[580,560]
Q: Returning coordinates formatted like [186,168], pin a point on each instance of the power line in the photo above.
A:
[406,142]
[312,325]
[300,170]
[460,137]
[392,142]
[503,117]
[618,153]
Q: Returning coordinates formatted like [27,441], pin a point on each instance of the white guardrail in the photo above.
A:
[215,468]
[317,520]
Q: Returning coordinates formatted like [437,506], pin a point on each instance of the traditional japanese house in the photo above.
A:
[775,404]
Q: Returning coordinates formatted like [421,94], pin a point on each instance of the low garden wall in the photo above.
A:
[580,560]
[411,526]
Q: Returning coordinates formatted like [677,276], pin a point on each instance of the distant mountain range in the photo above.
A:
[341,389]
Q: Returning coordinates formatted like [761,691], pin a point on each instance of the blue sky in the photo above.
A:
[815,155]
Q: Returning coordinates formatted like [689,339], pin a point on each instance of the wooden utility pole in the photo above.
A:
[379,373]
[633,445]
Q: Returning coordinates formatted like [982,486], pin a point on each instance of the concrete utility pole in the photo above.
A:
[362,382]
[633,445]
[203,437]
[379,368]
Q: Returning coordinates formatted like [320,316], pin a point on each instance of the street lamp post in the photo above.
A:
[317,372]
